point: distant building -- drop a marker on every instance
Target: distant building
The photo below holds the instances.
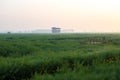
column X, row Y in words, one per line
column 56, row 30
column 41, row 31
column 9, row 32
column 67, row 31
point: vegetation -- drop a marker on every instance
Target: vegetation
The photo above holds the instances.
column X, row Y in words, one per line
column 59, row 56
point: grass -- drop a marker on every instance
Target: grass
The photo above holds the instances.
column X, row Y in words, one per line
column 86, row 73
column 59, row 56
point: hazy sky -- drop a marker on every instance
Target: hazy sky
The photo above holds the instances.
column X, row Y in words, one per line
column 80, row 15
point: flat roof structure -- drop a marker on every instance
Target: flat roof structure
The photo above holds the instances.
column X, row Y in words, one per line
column 56, row 30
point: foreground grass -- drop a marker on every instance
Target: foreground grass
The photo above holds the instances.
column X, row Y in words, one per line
column 97, row 72
column 26, row 67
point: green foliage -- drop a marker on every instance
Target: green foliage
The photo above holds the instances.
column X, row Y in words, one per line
column 59, row 56
column 101, row 72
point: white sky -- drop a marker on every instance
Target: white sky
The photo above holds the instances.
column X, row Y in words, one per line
column 80, row 15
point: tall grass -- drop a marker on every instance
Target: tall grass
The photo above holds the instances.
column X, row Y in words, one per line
column 56, row 57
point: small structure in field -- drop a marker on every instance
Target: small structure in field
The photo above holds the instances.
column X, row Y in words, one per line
column 94, row 42
column 56, row 30
column 97, row 41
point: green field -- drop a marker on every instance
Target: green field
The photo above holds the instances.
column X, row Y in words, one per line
column 60, row 56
